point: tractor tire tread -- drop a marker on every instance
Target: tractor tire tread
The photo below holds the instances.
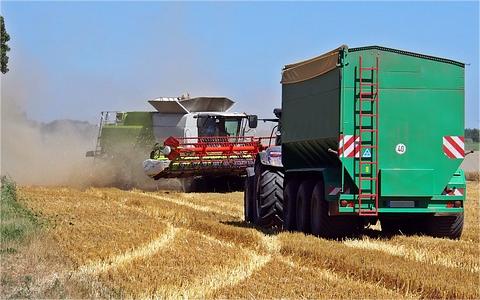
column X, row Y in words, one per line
column 446, row 226
column 270, row 198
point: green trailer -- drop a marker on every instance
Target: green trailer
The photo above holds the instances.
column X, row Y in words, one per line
column 370, row 134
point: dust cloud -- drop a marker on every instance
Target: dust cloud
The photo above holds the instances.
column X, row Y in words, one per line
column 53, row 153
column 34, row 153
column 37, row 153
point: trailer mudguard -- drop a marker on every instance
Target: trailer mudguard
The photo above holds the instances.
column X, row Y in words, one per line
column 333, row 184
column 271, row 157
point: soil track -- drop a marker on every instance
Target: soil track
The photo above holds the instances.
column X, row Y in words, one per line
column 168, row 244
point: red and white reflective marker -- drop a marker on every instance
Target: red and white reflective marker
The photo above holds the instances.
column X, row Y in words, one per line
column 453, row 146
column 333, row 190
column 349, row 146
column 453, row 192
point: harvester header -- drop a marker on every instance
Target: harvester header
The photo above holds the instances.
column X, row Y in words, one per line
column 196, row 156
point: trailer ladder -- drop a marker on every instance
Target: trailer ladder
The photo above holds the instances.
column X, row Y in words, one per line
column 368, row 139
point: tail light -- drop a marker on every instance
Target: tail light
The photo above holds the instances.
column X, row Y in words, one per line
column 345, row 203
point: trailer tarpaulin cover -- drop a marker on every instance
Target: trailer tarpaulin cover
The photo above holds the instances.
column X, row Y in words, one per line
column 311, row 68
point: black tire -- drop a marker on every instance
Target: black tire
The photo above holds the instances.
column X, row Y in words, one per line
column 403, row 224
column 290, row 204
column 326, row 226
column 194, row 185
column 268, row 208
column 449, row 226
column 304, row 197
column 248, row 196
column 187, row 185
column 391, row 226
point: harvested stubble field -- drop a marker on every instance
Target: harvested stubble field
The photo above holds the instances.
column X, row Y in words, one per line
column 134, row 244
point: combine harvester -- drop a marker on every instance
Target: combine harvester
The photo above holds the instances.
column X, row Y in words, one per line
column 200, row 142
column 368, row 134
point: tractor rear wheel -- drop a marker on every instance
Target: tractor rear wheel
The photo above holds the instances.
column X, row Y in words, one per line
column 326, row 226
column 303, row 200
column 290, row 204
column 445, row 226
column 269, row 199
column 248, row 196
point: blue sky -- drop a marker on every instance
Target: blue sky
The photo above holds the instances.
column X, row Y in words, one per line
column 75, row 59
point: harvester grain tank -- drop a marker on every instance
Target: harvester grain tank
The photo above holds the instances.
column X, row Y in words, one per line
column 369, row 134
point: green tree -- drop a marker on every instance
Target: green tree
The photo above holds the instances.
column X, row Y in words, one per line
column 472, row 133
column 4, row 39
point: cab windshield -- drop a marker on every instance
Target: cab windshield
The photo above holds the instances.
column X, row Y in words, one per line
column 218, row 126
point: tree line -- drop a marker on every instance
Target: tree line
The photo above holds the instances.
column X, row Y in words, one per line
column 473, row 134
column 4, row 38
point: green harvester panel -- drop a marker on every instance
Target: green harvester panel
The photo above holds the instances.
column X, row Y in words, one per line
column 420, row 105
column 134, row 130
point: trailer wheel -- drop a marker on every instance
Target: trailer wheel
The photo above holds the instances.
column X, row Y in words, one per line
column 450, row 226
column 326, row 226
column 391, row 226
column 304, row 197
column 269, row 200
column 248, row 196
column 406, row 225
column 290, row 204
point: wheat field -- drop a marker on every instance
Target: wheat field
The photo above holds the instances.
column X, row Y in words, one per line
column 106, row 242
